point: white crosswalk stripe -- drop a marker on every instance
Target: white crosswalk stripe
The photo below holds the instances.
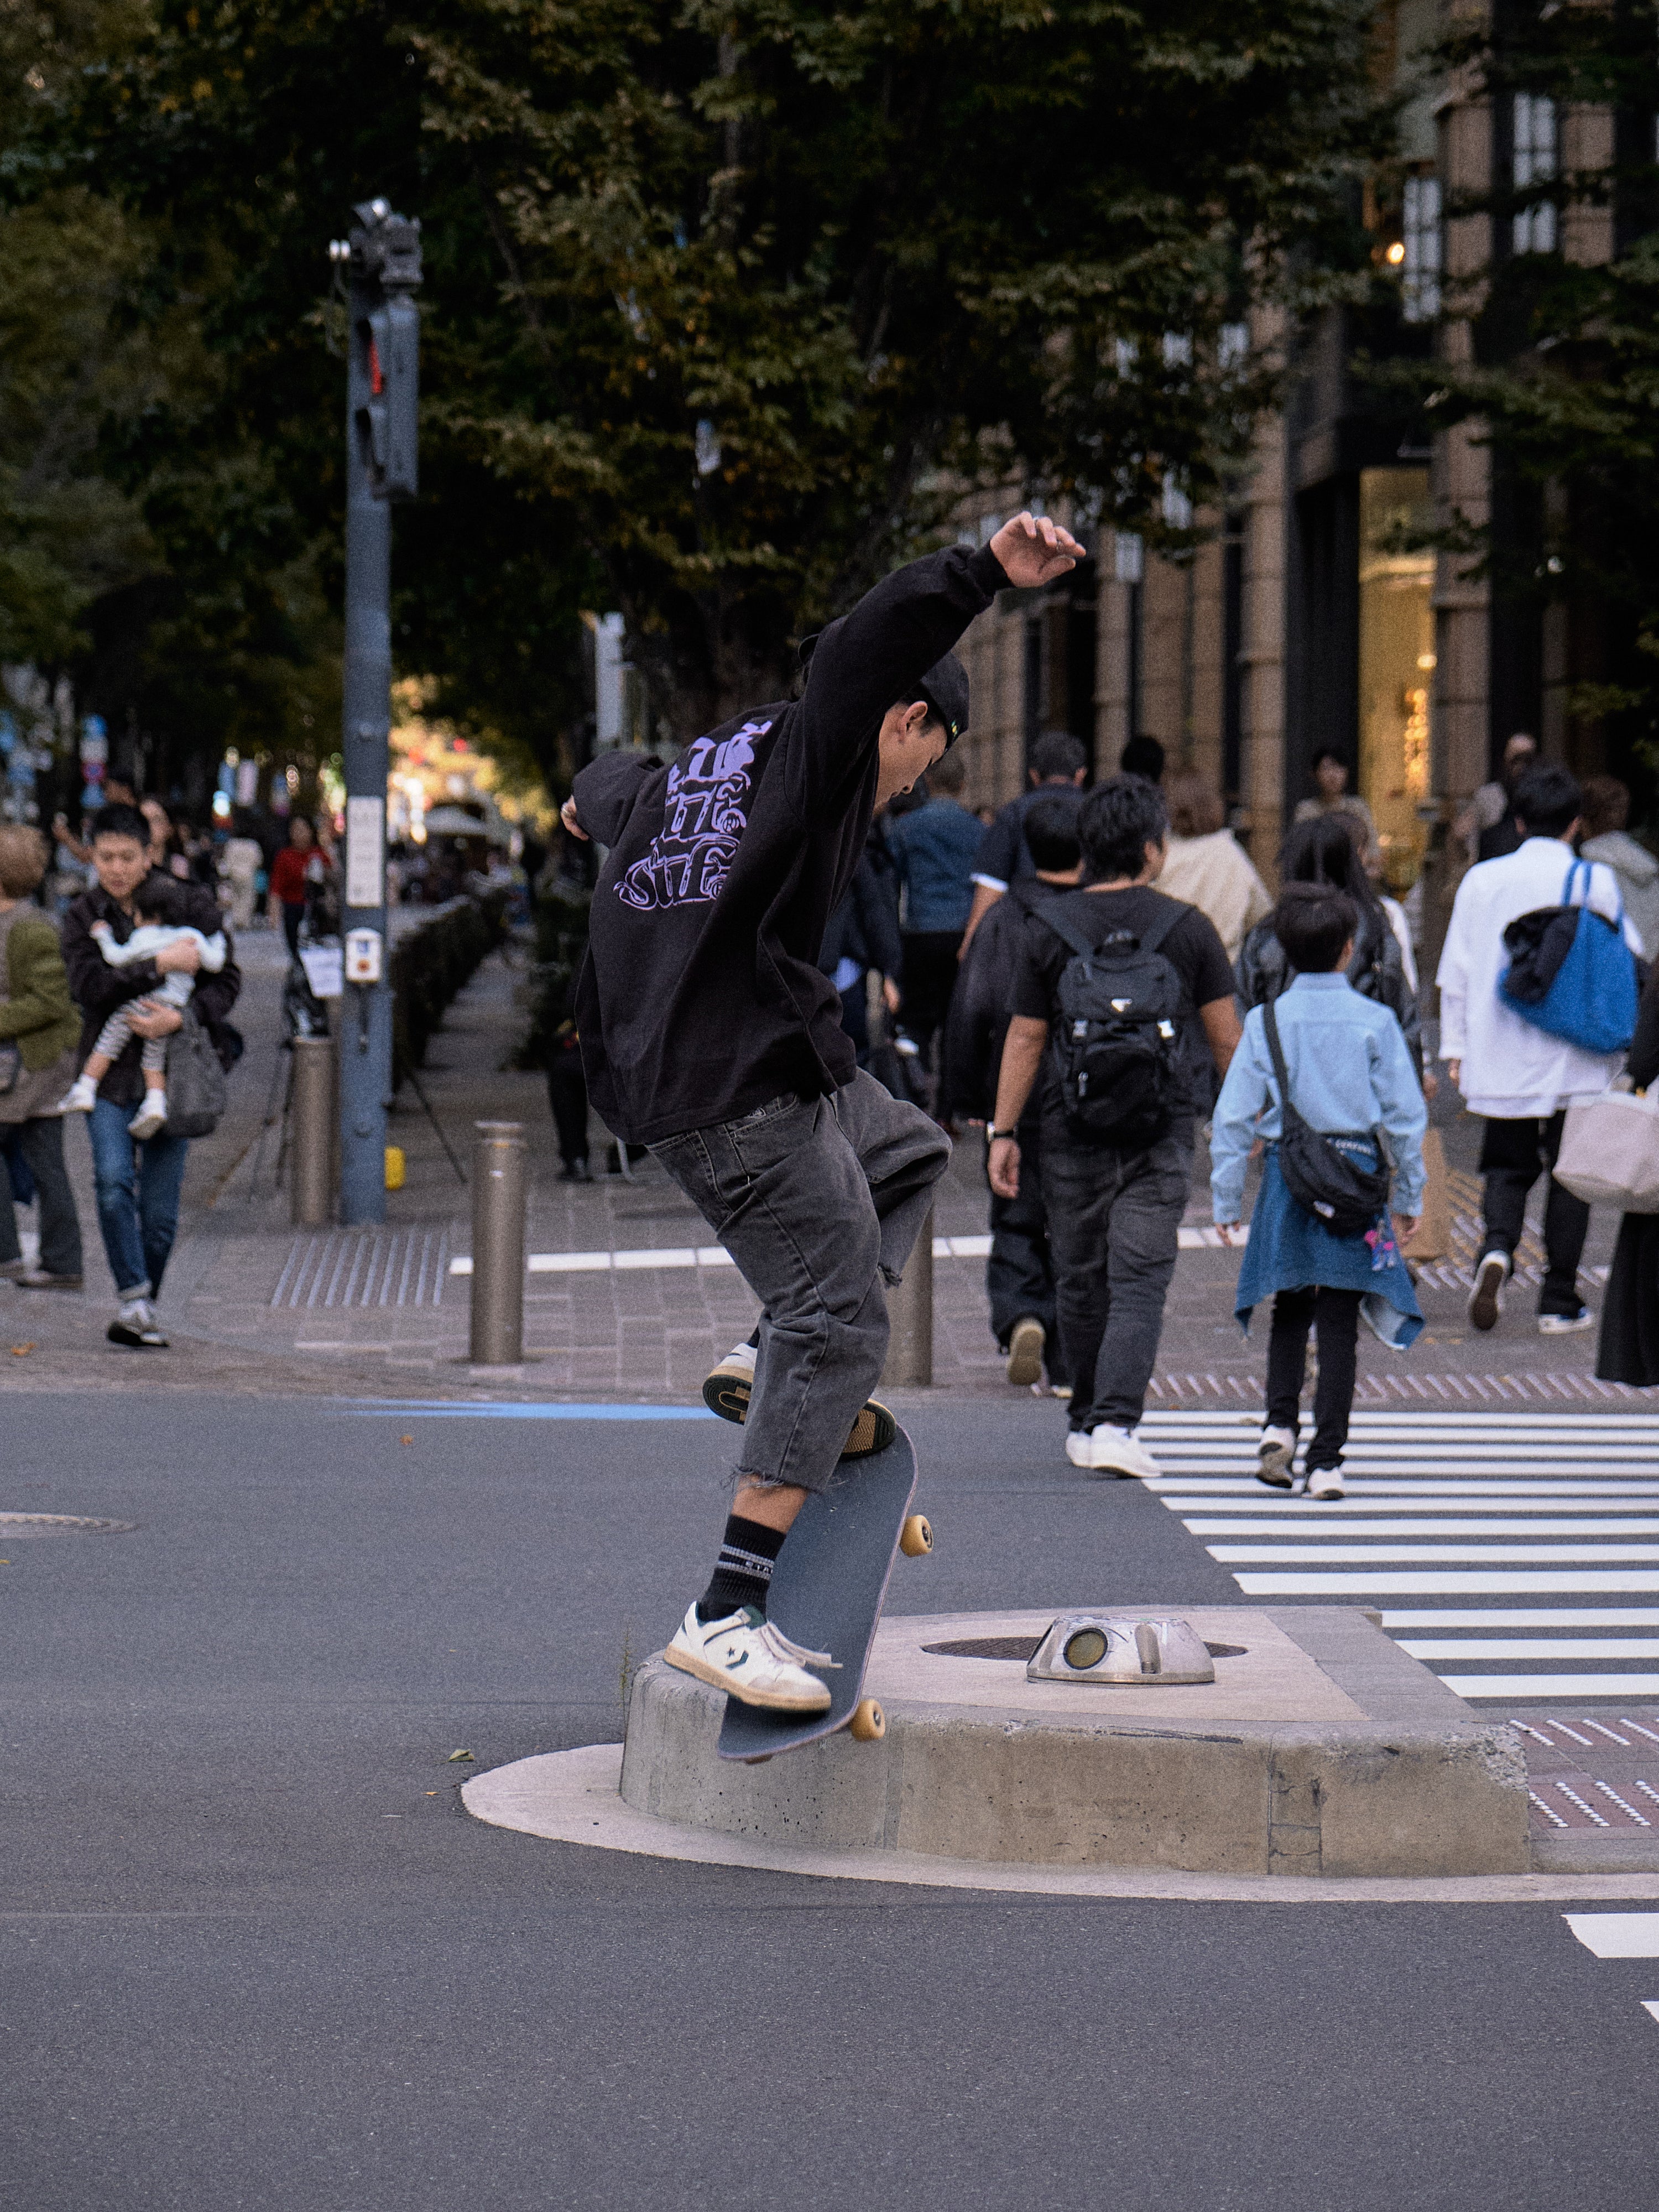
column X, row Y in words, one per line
column 1478, row 1509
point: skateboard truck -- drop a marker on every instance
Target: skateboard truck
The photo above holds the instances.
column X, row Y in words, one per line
column 1119, row 1649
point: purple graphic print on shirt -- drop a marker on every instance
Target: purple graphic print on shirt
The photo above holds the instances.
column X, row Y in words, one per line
column 703, row 817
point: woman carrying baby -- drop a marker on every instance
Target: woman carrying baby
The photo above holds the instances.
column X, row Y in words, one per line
column 137, row 1168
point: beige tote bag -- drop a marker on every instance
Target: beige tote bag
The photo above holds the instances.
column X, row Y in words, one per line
column 1610, row 1151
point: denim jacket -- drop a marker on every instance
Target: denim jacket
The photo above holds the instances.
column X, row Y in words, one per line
column 1349, row 1069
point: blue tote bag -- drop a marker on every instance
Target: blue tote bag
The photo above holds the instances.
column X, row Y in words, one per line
column 1571, row 972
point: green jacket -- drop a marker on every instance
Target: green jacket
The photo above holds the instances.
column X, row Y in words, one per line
column 36, row 1010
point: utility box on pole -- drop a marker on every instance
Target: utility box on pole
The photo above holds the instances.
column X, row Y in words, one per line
column 383, row 258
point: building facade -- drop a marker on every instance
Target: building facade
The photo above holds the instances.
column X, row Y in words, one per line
column 1304, row 622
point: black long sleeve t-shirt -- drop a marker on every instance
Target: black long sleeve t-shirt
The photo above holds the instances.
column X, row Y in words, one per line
column 700, row 997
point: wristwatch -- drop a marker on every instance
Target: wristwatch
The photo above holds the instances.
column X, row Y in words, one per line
column 996, row 1136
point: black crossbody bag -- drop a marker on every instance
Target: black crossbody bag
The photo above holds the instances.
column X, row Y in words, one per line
column 1318, row 1173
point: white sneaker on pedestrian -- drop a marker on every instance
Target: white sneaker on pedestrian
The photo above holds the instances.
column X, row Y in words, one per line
column 1325, row 1482
column 135, row 1324
column 1108, row 1450
column 151, row 1117
column 81, row 1096
column 1565, row 1324
column 1486, row 1297
column 1273, row 1455
column 1027, row 1341
column 745, row 1654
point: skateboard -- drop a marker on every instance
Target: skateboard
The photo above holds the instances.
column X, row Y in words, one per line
column 828, row 1593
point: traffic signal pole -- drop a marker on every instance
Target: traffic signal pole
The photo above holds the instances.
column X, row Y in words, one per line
column 384, row 256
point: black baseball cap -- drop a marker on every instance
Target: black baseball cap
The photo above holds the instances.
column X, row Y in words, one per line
column 945, row 686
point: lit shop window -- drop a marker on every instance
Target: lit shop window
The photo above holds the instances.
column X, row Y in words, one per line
column 1533, row 163
column 1419, row 249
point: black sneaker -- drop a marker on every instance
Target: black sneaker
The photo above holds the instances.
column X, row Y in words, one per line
column 136, row 1325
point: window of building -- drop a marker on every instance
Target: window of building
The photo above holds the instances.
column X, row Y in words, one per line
column 1419, row 237
column 1532, row 162
column 1396, row 667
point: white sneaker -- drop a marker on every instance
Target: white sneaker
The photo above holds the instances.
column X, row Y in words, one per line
column 81, row 1096
column 730, row 1386
column 151, row 1117
column 1486, row 1297
column 1273, row 1455
column 1565, row 1324
column 1325, row 1482
column 1027, row 1341
column 746, row 1654
column 1113, row 1451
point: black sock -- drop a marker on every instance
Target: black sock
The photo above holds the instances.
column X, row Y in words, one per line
column 742, row 1573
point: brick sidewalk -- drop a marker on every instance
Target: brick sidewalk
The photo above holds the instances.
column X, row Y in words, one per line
column 250, row 1298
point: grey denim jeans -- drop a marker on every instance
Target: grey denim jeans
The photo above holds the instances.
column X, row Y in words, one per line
column 1113, row 1218
column 819, row 1201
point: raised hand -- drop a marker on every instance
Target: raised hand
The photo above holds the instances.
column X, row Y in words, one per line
column 1033, row 550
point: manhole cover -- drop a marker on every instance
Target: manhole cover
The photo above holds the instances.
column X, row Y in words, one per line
column 13, row 1525
column 1022, row 1646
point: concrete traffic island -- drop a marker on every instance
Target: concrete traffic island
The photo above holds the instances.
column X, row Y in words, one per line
column 1321, row 1749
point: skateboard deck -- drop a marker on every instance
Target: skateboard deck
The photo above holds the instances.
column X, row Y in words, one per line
column 828, row 1593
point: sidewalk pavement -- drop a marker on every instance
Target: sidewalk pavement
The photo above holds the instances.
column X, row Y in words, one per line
column 626, row 1295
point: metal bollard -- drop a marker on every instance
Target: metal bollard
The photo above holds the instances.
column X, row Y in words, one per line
column 910, row 1315
column 499, row 1157
column 312, row 1136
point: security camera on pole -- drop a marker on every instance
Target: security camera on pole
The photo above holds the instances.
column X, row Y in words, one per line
column 383, row 257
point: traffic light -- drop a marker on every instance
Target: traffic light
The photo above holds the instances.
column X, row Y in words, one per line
column 384, row 256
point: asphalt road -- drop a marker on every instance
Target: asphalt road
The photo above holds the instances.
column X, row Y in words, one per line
column 255, row 1954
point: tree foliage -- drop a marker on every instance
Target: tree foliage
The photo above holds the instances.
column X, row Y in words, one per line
column 726, row 308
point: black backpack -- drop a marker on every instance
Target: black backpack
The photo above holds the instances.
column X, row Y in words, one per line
column 1117, row 1031
column 1319, row 1173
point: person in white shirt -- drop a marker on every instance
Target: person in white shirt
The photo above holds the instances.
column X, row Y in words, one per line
column 1521, row 1077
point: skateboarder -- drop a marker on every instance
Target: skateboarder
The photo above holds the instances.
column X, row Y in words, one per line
column 710, row 1034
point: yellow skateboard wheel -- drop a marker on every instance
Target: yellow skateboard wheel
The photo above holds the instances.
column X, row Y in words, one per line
column 916, row 1538
column 869, row 1722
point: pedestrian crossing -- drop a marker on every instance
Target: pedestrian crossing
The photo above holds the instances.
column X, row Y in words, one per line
column 1477, row 1510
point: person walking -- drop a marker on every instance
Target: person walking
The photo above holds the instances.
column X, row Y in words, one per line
column 1058, row 763
column 1207, row 866
column 1333, row 796
column 1322, row 851
column 1123, row 1003
column 1628, row 1351
column 710, row 1033
column 1019, row 1275
column 38, row 1030
column 288, row 886
column 137, row 1183
column 934, row 848
column 1347, row 1073
column 1605, row 838
column 1521, row 1077
column 1491, row 805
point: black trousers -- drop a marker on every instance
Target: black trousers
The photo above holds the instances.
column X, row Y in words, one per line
column 40, row 1144
column 1019, row 1274
column 292, row 917
column 930, row 976
column 1334, row 1315
column 1513, row 1155
column 566, row 1094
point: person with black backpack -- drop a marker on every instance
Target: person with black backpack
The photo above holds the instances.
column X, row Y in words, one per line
column 1019, row 1276
column 1324, row 1078
column 1123, row 1002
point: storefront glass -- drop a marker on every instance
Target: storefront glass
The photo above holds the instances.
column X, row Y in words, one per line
column 1396, row 667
